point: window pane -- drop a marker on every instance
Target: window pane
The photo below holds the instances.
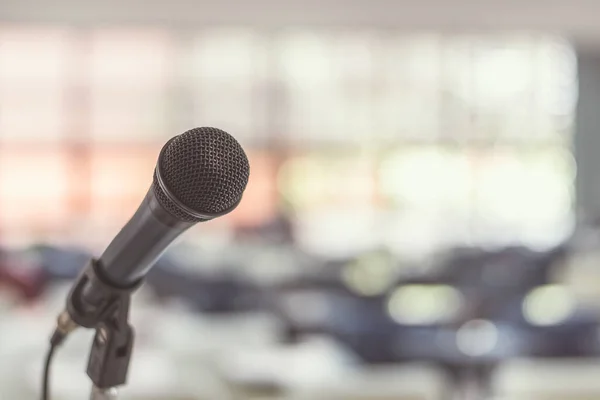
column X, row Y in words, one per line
column 556, row 91
column 329, row 86
column 503, row 86
column 408, row 95
column 427, row 177
column 121, row 175
column 34, row 187
column 457, row 91
column 33, row 81
column 129, row 78
column 325, row 181
column 228, row 70
column 524, row 194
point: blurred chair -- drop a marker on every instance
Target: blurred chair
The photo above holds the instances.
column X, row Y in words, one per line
column 59, row 263
column 573, row 379
column 22, row 278
column 511, row 269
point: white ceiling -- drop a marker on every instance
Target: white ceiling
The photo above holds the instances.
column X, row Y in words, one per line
column 578, row 19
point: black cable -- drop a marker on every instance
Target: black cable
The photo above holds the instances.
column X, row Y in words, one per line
column 46, row 379
column 56, row 340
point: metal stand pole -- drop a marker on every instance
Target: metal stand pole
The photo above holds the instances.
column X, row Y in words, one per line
column 103, row 394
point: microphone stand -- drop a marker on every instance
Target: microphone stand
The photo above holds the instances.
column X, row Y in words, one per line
column 103, row 394
column 111, row 351
column 112, row 347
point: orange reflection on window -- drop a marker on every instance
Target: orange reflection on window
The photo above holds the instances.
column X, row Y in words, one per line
column 33, row 187
column 121, row 175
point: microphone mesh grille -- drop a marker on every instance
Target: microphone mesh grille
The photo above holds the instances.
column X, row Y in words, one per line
column 205, row 169
column 170, row 206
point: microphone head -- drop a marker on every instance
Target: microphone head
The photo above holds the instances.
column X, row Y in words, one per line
column 201, row 174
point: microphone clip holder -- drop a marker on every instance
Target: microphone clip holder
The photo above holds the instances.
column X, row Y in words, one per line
column 112, row 346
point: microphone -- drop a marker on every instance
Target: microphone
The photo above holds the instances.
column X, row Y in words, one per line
column 200, row 175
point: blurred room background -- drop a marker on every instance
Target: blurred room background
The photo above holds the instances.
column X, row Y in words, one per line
column 420, row 222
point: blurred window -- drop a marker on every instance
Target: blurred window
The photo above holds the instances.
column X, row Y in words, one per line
column 329, row 86
column 228, row 82
column 450, row 138
column 33, row 191
column 129, row 82
column 465, row 138
column 34, row 68
column 120, row 177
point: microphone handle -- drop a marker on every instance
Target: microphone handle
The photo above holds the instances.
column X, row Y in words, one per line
column 136, row 247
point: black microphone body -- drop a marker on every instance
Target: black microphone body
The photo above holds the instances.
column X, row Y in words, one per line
column 140, row 242
column 200, row 175
column 135, row 249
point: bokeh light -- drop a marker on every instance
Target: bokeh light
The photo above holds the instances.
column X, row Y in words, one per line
column 424, row 304
column 548, row 305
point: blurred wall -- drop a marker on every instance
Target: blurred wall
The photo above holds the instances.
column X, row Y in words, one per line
column 587, row 140
column 572, row 18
